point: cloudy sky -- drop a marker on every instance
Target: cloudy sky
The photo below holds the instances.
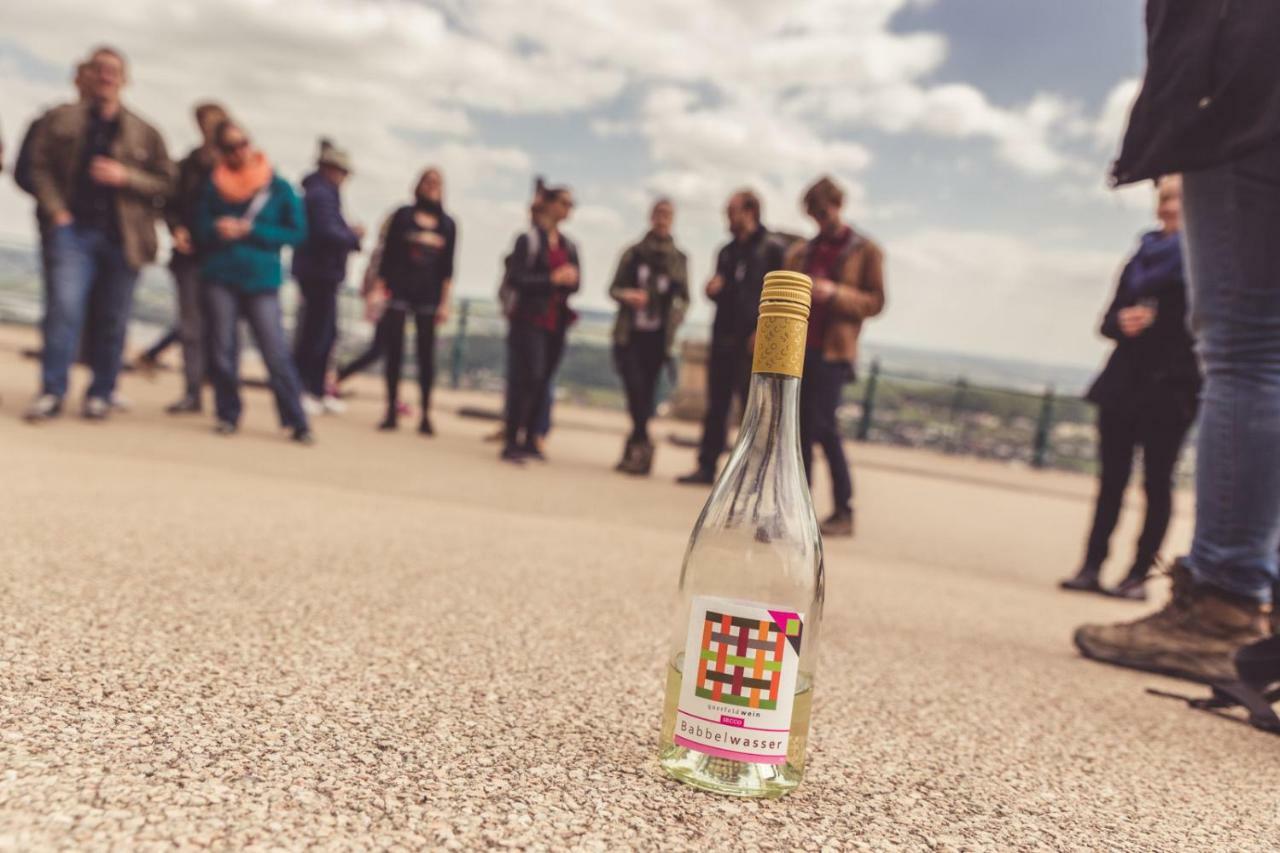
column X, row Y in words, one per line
column 973, row 136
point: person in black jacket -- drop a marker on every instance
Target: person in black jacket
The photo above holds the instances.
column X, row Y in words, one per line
column 1210, row 109
column 416, row 273
column 542, row 271
column 320, row 266
column 735, row 289
column 1146, row 395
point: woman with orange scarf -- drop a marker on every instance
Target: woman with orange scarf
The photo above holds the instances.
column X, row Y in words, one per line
column 246, row 215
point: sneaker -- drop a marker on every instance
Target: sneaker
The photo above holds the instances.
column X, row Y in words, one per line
column 1195, row 636
column 185, row 406
column 1085, row 580
column 303, row 436
column 425, row 427
column 331, row 405
column 534, row 452
column 839, row 523
column 512, row 454
column 43, row 408
column 96, row 409
column 700, row 477
column 312, row 406
column 225, row 428
column 120, row 403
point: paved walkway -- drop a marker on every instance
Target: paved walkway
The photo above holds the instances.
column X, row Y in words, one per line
column 391, row 641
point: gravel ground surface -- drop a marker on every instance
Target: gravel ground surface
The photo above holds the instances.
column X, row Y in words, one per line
column 393, row 642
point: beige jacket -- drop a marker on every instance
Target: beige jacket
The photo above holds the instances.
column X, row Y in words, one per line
column 859, row 295
column 55, row 160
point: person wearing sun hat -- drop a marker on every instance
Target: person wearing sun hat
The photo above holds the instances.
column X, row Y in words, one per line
column 320, row 267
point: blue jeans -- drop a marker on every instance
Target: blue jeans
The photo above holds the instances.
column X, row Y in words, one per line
column 85, row 265
column 1232, row 215
column 224, row 306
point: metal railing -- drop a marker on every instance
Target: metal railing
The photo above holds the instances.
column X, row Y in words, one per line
column 1037, row 428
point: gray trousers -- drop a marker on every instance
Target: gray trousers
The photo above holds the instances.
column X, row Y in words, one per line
column 190, row 326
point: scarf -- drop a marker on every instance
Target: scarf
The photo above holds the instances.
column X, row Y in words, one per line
column 237, row 186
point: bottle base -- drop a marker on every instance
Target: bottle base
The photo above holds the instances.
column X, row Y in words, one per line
column 728, row 777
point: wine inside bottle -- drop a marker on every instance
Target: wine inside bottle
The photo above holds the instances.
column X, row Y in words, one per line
column 744, row 646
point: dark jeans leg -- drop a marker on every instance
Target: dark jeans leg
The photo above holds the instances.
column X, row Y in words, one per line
column 221, row 314
column 552, row 351
column 820, row 393
column 377, row 350
column 526, row 356
column 71, row 272
column 393, row 322
column 1117, row 437
column 723, row 369
column 266, row 321
column 424, row 332
column 1161, row 439
column 190, row 326
column 1232, row 217
column 645, row 355
column 316, row 333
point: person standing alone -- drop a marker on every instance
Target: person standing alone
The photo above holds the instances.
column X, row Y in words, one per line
column 320, row 266
column 651, row 287
column 1146, row 396
column 735, row 289
column 416, row 274
column 101, row 177
column 848, row 288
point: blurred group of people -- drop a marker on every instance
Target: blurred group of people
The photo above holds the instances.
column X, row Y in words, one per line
column 103, row 180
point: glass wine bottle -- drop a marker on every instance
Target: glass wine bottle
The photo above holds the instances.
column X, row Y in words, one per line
column 740, row 671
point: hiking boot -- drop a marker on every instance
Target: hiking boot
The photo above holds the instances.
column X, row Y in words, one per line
column 1085, row 580
column 46, row 407
column 700, row 477
column 839, row 523
column 1195, row 636
column 96, row 409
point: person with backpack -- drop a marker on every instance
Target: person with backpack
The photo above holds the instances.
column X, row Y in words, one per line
column 416, row 273
column 542, row 272
column 848, row 288
column 652, row 291
column 246, row 215
column 734, row 287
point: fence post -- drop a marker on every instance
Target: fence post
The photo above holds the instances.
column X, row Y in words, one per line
column 459, row 345
column 869, row 401
column 1040, row 451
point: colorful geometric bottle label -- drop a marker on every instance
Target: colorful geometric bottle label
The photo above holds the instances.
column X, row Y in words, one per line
column 739, row 682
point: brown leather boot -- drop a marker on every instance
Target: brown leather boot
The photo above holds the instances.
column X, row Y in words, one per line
column 1194, row 637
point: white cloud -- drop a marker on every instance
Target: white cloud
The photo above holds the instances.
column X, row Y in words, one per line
column 1111, row 121
column 979, row 292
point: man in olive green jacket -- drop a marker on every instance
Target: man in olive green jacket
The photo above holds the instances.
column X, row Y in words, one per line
column 101, row 177
column 651, row 288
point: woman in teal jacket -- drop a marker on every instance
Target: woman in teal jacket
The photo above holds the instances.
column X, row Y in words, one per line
column 245, row 216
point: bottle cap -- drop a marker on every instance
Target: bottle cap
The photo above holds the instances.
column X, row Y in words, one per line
column 784, row 323
column 786, row 294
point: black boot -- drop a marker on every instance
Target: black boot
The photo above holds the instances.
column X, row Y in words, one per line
column 1085, row 580
column 391, row 421
column 628, row 448
column 1133, row 587
column 640, row 461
